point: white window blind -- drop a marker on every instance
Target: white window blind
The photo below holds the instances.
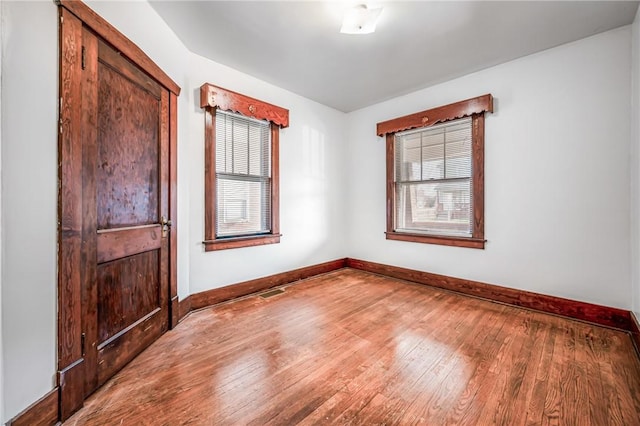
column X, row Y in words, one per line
column 433, row 180
column 243, row 175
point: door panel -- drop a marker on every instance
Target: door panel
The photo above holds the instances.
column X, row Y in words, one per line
column 127, row 290
column 125, row 195
column 128, row 146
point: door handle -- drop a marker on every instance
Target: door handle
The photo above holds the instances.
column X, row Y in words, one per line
column 166, row 226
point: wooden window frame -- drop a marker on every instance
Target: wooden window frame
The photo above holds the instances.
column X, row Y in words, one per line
column 474, row 108
column 213, row 98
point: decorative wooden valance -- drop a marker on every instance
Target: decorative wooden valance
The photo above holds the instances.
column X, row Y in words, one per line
column 227, row 100
column 437, row 115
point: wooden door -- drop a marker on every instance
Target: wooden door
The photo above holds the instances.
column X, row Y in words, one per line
column 125, row 184
column 117, row 287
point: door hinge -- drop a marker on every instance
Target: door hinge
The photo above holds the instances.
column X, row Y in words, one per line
column 82, row 340
column 84, row 64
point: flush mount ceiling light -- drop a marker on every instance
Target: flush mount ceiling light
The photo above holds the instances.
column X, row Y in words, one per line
column 360, row 20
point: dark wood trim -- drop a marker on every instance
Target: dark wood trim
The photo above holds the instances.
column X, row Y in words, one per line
column 70, row 213
column 184, row 307
column 173, row 210
column 445, row 113
column 597, row 314
column 69, row 378
column 635, row 332
column 71, row 381
column 477, row 152
column 209, row 175
column 115, row 245
column 475, row 243
column 391, row 186
column 429, row 117
column 43, row 412
column 211, row 243
column 222, row 294
column 239, row 242
column 119, row 41
column 275, row 182
column 227, row 100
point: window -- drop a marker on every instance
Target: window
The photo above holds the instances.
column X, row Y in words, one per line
column 435, row 174
column 241, row 169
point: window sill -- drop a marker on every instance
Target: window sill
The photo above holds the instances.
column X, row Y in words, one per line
column 477, row 243
column 239, row 242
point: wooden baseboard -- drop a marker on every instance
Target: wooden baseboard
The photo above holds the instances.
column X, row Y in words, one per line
column 602, row 315
column 184, row 307
column 218, row 295
column 635, row 332
column 43, row 412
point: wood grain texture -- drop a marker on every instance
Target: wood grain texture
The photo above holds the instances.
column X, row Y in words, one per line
column 43, row 412
column 128, row 288
column 184, row 308
column 239, row 242
column 434, row 239
column 88, row 270
column 227, row 100
column 597, row 314
column 71, row 381
column 122, row 43
column 437, row 115
column 127, row 178
column 635, row 332
column 477, row 124
column 275, row 181
column 173, row 209
column 217, row 295
column 70, row 210
column 82, row 53
column 350, row 347
column 209, row 175
column 114, row 245
column 119, row 350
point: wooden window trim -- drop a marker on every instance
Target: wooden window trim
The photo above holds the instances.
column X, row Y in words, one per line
column 213, row 98
column 475, row 108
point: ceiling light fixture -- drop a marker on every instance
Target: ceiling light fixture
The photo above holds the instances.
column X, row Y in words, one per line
column 360, row 20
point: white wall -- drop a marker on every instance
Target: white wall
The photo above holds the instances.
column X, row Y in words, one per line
column 29, row 201
column 1, row 350
column 557, row 175
column 635, row 164
column 311, row 179
column 311, row 161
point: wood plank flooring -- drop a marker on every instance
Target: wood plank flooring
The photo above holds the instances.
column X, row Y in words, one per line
column 353, row 348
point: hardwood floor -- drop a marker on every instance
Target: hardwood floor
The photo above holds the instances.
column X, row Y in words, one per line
column 355, row 348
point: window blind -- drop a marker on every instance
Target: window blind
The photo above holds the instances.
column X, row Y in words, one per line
column 433, row 180
column 243, row 175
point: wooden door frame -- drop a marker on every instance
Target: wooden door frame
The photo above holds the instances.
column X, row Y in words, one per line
column 74, row 15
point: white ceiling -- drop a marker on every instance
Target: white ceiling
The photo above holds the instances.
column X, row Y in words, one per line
column 298, row 46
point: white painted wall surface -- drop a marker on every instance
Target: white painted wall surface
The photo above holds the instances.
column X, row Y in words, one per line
column 557, row 175
column 635, row 165
column 29, row 201
column 311, row 180
column 1, row 350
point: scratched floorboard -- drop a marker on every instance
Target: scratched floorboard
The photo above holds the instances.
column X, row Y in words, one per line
column 350, row 348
